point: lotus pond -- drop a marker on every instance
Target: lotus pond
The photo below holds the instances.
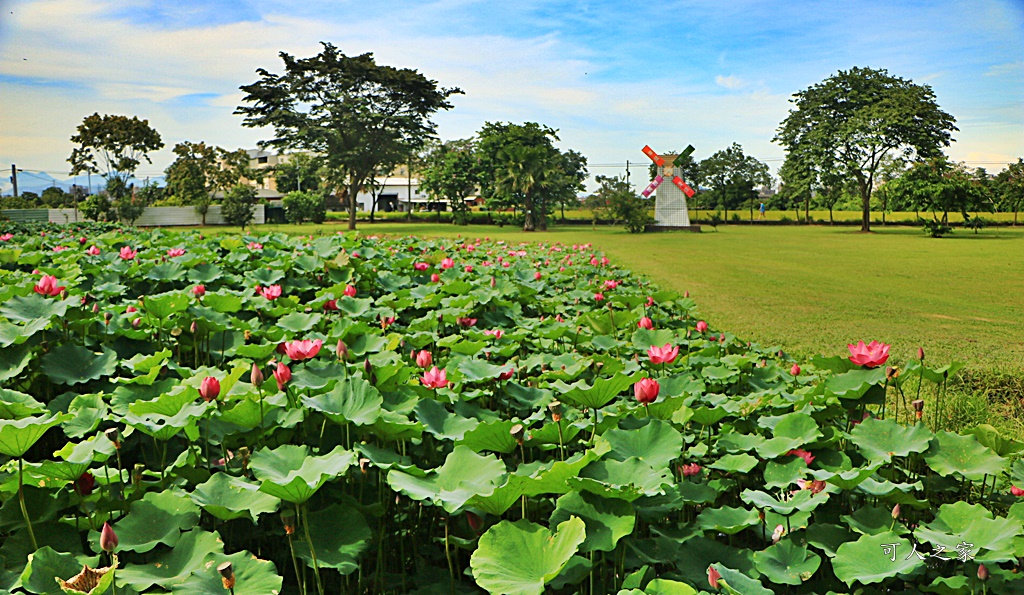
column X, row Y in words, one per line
column 351, row 414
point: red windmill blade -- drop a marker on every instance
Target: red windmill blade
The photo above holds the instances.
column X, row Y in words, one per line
column 683, row 186
column 654, row 157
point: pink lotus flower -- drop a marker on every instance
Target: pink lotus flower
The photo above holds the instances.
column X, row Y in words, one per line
column 386, row 321
column 537, row 276
column 131, row 310
column 496, row 333
column 435, row 278
column 663, row 355
column 282, row 374
column 713, row 577
column 82, row 241
column 610, row 284
column 350, row 291
column 795, row 370
column 646, row 391
column 604, row 261
column 646, row 323
column 466, row 321
column 59, row 248
column 507, row 374
column 469, row 268
column 175, row 252
column 1017, row 491
column 341, row 350
column 803, row 454
column 127, row 253
column 777, row 534
column 424, row 359
column 254, row 246
column 421, row 266
column 108, row 539
column 331, row 305
column 871, row 355
column 598, row 297
column 137, row 323
column 702, row 326
column 594, row 261
column 434, row 378
column 689, row 470
column 300, row 350
column 650, row 301
column 447, row 263
column 271, row 293
column 209, row 389
column 815, row 485
column 48, row 286
column 7, row 237
column 199, row 291
column 93, row 251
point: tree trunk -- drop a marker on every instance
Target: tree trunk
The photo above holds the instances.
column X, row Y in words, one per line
column 528, row 223
column 865, row 198
column 831, row 221
column 352, row 191
column 1015, row 216
column 807, row 210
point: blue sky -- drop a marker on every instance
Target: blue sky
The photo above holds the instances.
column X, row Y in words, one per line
column 611, row 76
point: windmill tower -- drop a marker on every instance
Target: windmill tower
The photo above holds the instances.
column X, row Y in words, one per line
column 670, row 209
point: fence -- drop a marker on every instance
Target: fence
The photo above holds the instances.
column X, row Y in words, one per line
column 151, row 217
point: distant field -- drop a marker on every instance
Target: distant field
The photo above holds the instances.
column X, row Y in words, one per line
column 814, row 289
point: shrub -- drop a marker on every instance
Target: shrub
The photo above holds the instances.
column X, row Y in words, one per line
column 304, row 206
column 715, row 219
column 936, row 228
column 238, row 205
column 98, row 208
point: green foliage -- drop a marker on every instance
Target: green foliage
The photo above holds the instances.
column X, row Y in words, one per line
column 853, row 121
column 237, row 208
column 304, row 206
column 113, row 146
column 453, row 173
column 356, row 113
column 616, row 200
column 299, row 172
column 732, row 178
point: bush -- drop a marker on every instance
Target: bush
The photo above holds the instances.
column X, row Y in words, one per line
column 936, row 228
column 976, row 223
column 715, row 220
column 238, row 205
column 98, row 208
column 304, row 206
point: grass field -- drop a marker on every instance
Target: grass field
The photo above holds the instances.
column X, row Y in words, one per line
column 814, row 289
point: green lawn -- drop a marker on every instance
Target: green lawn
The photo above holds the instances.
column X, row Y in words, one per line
column 814, row 289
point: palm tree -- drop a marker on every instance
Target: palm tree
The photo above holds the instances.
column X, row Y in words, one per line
column 521, row 174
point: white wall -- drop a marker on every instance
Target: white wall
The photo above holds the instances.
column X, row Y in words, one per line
column 162, row 216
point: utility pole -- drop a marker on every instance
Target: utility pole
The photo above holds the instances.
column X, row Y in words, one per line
column 14, row 179
column 627, row 171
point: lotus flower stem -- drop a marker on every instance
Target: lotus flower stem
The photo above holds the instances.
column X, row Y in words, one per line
column 448, row 556
column 295, row 564
column 21, row 501
column 304, row 518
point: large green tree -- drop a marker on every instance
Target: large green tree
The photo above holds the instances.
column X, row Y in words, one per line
column 732, row 176
column 200, row 170
column 1010, row 188
column 299, row 172
column 523, row 169
column 113, row 146
column 855, row 119
column 354, row 112
column 942, row 187
column 452, row 173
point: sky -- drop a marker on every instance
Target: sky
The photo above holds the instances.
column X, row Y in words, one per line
column 610, row 76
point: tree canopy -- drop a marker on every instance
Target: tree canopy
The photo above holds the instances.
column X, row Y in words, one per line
column 355, row 113
column 200, row 170
column 732, row 176
column 113, row 146
column 452, row 173
column 855, row 119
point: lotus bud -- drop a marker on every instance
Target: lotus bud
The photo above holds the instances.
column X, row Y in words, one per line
column 475, row 522
column 555, row 408
column 713, row 577
column 192, row 327
column 982, row 571
column 95, row 308
column 795, row 370
column 256, row 376
column 518, row 431
column 368, row 366
column 136, row 323
column 114, row 436
column 920, row 356
column 686, row 294
column 227, row 575
column 896, row 511
column 342, row 350
column 288, row 519
column 778, row 533
column 108, row 539
column 209, row 389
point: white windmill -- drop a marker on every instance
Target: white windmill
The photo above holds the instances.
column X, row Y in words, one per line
column 670, row 200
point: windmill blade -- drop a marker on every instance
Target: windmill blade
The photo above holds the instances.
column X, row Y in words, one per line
column 652, row 186
column 654, row 156
column 683, row 186
column 686, row 153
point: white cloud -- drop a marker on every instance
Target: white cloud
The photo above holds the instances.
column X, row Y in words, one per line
column 730, row 82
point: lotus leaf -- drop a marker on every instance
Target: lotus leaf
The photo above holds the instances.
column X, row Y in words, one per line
column 164, row 305
column 174, row 566
column 882, row 439
column 626, row 480
column 252, row 576
column 803, row 500
column 339, row 535
column 44, row 567
column 607, row 520
column 30, row 308
column 289, row 472
column 875, row 558
column 656, row 443
column 787, row 563
column 352, row 400
column 519, row 558
column 16, row 405
column 463, row 475
column 740, row 583
column 727, row 519
column 741, row 463
column 963, row 455
column 17, row 436
column 493, row 436
column 73, row 364
column 228, row 498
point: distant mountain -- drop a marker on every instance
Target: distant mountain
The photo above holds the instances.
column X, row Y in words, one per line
column 37, row 181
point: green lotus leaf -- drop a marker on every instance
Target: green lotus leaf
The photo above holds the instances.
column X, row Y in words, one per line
column 870, row 559
column 990, row 437
column 164, row 417
column 224, row 303
column 798, row 426
column 989, row 539
column 593, row 397
column 17, row 436
column 657, row 443
column 787, row 563
column 661, row 586
column 246, row 412
column 73, row 364
column 352, row 400
column 159, row 517
column 803, row 500
column 299, row 322
column 741, row 463
column 740, row 583
column 872, row 520
column 846, row 480
column 289, row 472
column 44, row 567
column 30, row 308
column 735, row 442
column 15, row 334
column 963, row 455
column 255, row 352
column 780, row 475
column 339, row 534
column 727, row 519
column 626, row 480
column 882, row 439
column 365, row 344
column 719, row 374
column 266, row 276
column 468, row 348
column 13, row 360
column 205, row 273
column 644, row 339
column 174, row 566
column 707, row 416
column 252, row 576
column 88, row 412
column 607, row 520
column 166, row 272
column 493, row 436
column 519, row 558
column 142, row 363
column 828, row 537
column 77, row 458
column 9, row 255
column 854, row 384
column 162, row 306
column 228, row 498
column 478, row 370
column 442, row 423
column 463, row 475
column 395, row 426
column 16, row 405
